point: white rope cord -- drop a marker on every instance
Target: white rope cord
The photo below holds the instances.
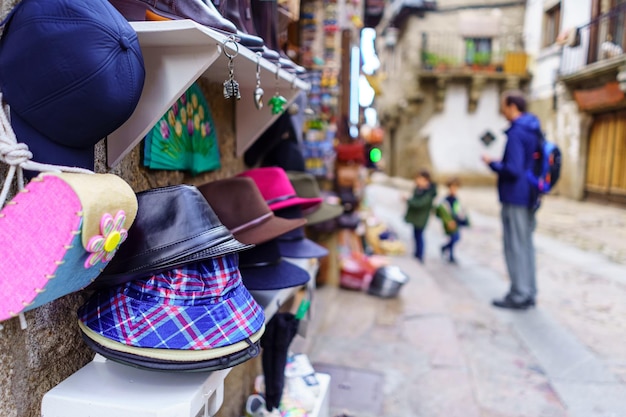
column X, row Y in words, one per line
column 18, row 157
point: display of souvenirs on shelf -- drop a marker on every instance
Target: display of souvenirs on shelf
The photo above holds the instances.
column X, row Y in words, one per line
column 318, row 149
column 184, row 138
column 308, row 28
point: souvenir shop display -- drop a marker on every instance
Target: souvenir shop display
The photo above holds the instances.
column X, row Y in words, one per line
column 321, row 54
column 169, row 273
column 184, row 138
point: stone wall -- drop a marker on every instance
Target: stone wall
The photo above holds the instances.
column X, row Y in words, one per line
column 50, row 349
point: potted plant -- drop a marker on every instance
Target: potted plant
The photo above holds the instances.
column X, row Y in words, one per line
column 482, row 59
column 429, row 60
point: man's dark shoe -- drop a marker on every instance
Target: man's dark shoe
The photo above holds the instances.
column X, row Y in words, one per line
column 510, row 304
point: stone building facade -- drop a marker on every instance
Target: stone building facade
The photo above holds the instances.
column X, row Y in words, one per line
column 577, row 90
column 444, row 72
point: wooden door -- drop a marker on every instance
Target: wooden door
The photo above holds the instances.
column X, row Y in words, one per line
column 618, row 176
column 599, row 159
column 606, row 158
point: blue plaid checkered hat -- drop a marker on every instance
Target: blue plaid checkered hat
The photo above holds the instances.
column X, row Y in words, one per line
column 198, row 306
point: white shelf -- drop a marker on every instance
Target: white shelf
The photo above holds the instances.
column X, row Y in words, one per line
column 104, row 388
column 322, row 405
column 272, row 300
column 176, row 53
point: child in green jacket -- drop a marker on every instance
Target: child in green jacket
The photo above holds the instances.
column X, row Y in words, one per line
column 418, row 210
column 452, row 217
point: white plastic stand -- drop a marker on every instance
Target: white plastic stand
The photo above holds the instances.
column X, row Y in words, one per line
column 104, row 388
column 322, row 405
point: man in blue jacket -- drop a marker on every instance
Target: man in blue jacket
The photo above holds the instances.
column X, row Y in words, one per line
column 518, row 213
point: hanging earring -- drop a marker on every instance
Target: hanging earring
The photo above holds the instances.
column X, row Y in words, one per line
column 294, row 108
column 231, row 87
column 258, row 91
column 277, row 102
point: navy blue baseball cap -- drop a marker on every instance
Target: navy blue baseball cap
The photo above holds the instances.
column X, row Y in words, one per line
column 72, row 72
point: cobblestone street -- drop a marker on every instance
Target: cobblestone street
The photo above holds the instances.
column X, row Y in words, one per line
column 445, row 352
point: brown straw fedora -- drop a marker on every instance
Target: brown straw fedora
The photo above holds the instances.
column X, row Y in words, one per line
column 240, row 207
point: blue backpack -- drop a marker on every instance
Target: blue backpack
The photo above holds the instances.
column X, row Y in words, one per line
column 546, row 169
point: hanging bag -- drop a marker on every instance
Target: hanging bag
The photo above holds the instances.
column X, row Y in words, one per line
column 59, row 231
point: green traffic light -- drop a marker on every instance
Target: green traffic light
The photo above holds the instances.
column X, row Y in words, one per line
column 375, row 155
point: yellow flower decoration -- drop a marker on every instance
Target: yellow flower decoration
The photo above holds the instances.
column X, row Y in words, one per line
column 194, row 101
column 183, row 115
column 196, row 122
column 104, row 245
column 171, row 118
column 201, row 113
column 178, row 128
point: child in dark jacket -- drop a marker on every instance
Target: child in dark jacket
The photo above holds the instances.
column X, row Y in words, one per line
column 419, row 207
column 452, row 217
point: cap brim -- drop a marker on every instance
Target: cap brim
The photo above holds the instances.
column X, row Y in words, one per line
column 224, row 248
column 274, row 277
column 150, row 323
column 269, row 230
column 301, row 248
column 324, row 213
column 48, row 152
column 304, row 203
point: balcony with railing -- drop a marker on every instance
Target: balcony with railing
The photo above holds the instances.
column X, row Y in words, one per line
column 455, row 54
column 596, row 46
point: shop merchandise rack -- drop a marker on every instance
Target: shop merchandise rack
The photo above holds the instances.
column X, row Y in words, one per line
column 320, row 51
column 176, row 53
column 104, row 388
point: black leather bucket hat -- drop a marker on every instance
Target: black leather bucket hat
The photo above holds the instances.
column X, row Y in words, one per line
column 174, row 226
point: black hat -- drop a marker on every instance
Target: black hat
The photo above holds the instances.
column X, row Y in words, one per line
column 174, row 226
